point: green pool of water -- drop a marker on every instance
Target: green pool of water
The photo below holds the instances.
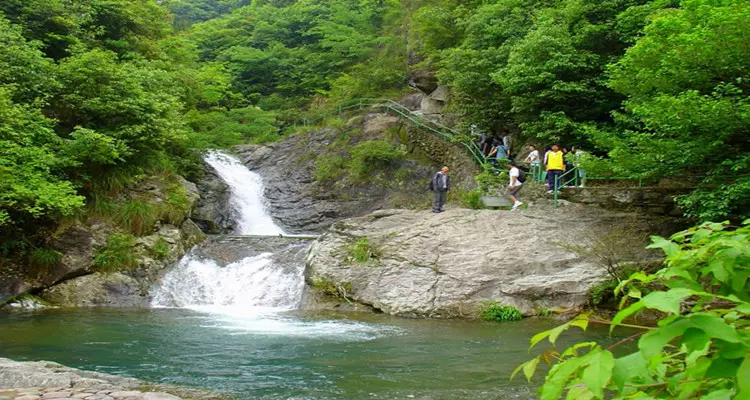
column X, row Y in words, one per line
column 287, row 355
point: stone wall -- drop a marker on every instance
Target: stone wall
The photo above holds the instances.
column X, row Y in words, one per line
column 651, row 200
column 441, row 152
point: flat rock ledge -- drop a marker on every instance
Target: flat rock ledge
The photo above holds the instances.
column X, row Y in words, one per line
column 449, row 265
column 48, row 380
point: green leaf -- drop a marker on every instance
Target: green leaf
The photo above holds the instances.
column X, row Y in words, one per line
column 670, row 248
column 699, row 235
column 695, row 339
column 667, row 301
column 715, row 327
column 723, row 394
column 653, row 342
column 528, row 368
column 631, row 368
column 581, row 321
column 743, row 377
column 558, row 376
column 620, row 316
column 579, row 392
column 723, row 368
column 597, row 375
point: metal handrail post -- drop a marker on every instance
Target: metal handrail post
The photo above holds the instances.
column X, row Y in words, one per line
column 556, row 188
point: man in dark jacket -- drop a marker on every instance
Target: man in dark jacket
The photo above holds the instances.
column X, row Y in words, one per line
column 441, row 184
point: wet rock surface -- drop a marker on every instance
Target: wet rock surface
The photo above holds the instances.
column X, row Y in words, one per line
column 212, row 213
column 445, row 265
column 225, row 250
column 47, row 380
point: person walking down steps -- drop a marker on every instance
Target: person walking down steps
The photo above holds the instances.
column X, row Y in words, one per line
column 517, row 178
column 440, row 185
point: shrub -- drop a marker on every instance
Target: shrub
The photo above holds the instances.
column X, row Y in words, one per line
column 371, row 155
column 698, row 350
column 496, row 312
column 329, row 168
column 473, row 199
column 118, row 255
column 490, row 180
column 41, row 260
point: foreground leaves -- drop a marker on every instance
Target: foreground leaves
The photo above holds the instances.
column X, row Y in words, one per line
column 700, row 349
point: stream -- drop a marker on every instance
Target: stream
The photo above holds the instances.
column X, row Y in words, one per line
column 230, row 323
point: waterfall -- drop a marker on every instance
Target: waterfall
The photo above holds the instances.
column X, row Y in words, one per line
column 246, row 189
column 246, row 289
column 253, row 283
column 260, row 282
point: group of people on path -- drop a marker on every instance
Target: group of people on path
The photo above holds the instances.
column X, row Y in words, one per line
column 555, row 163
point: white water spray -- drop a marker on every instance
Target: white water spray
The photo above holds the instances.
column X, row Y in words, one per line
column 247, row 296
column 247, row 195
column 254, row 283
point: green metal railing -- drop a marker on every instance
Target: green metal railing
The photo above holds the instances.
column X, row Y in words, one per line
column 537, row 171
column 560, row 182
column 392, row 107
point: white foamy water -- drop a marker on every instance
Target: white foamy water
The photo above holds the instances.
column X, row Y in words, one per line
column 246, row 195
column 250, row 296
column 252, row 285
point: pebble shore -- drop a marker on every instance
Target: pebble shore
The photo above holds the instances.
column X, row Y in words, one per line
column 41, row 380
column 82, row 393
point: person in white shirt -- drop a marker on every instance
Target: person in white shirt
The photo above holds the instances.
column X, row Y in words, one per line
column 533, row 157
column 517, row 177
column 577, row 155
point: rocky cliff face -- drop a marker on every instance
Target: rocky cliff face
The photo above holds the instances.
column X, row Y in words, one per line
column 212, row 213
column 75, row 280
column 444, row 265
column 302, row 204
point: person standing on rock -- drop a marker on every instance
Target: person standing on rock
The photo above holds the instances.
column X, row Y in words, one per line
column 517, row 177
column 440, row 185
column 554, row 164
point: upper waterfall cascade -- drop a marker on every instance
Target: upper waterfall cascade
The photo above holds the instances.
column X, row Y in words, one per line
column 246, row 195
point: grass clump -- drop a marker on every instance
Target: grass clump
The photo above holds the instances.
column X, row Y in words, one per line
column 177, row 205
column 41, row 260
column 137, row 216
column 329, row 168
column 362, row 251
column 118, row 255
column 161, row 249
column 340, row 291
column 496, row 312
column 372, row 155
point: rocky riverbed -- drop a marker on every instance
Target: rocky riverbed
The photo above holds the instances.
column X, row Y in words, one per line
column 49, row 380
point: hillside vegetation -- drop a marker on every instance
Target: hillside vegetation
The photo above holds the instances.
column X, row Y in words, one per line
column 655, row 89
column 97, row 95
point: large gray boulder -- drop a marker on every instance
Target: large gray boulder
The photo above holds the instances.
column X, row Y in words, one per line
column 128, row 288
column 423, row 79
column 445, row 265
column 212, row 213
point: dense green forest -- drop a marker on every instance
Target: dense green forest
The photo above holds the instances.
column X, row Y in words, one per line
column 95, row 94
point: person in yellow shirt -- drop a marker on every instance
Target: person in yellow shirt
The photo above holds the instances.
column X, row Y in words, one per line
column 554, row 164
